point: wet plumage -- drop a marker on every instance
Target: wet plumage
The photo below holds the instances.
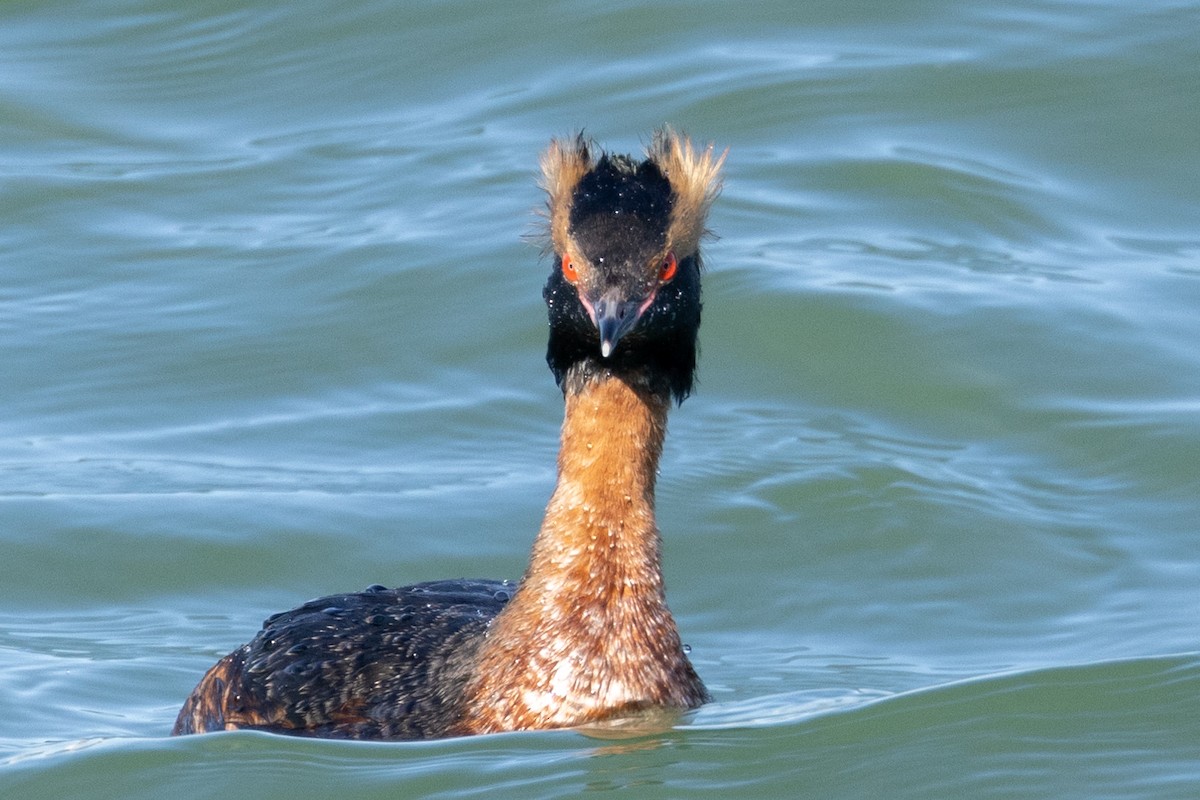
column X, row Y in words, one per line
column 586, row 635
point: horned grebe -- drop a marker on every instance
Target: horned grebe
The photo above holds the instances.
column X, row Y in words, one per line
column 586, row 636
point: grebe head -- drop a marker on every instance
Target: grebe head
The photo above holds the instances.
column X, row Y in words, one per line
column 624, row 293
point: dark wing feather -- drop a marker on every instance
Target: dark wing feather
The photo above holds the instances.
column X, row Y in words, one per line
column 384, row 663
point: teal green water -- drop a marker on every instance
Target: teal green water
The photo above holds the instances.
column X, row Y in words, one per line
column 269, row 330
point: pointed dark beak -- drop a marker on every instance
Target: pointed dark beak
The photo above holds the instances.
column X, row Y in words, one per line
column 615, row 317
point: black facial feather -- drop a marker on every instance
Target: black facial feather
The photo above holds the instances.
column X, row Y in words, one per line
column 661, row 350
column 620, row 212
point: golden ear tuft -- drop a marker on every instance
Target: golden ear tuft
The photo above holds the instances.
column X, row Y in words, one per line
column 563, row 165
column 695, row 177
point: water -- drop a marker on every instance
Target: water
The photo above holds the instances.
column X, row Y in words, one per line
column 269, row 330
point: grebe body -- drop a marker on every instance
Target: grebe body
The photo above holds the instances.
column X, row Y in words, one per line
column 586, row 635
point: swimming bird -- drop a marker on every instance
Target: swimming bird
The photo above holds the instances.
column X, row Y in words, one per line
column 586, row 635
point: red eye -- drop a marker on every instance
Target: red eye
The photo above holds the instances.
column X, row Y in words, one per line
column 568, row 269
column 669, row 265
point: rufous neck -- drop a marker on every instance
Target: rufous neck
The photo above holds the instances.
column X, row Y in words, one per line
column 603, row 503
column 588, row 633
